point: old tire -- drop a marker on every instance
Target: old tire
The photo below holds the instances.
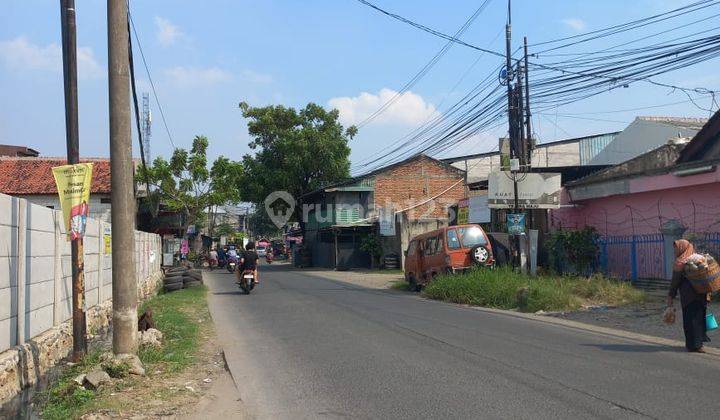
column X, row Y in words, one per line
column 173, row 287
column 191, row 283
column 196, row 276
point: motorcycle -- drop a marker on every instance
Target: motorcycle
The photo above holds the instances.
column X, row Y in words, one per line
column 231, row 264
column 247, row 281
column 269, row 257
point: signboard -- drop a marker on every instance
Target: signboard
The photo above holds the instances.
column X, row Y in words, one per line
column 535, row 190
column 386, row 219
column 479, row 210
column 73, row 185
column 516, row 223
column 107, row 240
column 463, row 211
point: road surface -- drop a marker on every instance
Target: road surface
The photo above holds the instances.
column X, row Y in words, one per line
column 307, row 347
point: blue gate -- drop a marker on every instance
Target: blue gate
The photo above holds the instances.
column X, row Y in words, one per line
column 632, row 257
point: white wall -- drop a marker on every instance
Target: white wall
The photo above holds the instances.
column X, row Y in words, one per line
column 98, row 209
column 44, row 298
column 563, row 154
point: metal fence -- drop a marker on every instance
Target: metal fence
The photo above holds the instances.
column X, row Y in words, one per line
column 632, row 257
column 707, row 243
column 636, row 257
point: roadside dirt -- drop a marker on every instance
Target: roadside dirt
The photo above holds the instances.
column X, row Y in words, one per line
column 644, row 318
column 365, row 278
column 161, row 395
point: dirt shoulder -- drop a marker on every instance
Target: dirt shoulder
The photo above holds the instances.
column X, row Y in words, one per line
column 372, row 279
column 182, row 378
column 643, row 318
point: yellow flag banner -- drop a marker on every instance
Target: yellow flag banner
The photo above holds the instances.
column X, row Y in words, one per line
column 73, row 185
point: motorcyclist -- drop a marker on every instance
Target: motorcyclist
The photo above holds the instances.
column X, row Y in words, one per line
column 249, row 261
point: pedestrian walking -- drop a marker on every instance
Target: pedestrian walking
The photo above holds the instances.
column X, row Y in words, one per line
column 694, row 304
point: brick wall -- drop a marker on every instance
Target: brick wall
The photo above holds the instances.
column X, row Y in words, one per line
column 416, row 181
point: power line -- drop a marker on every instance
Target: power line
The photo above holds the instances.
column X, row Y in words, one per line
column 426, row 68
column 428, row 30
column 152, row 84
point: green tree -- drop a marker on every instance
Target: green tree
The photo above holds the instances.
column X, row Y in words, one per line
column 296, row 151
column 184, row 183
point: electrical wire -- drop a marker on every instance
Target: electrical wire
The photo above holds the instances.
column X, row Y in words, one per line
column 152, row 84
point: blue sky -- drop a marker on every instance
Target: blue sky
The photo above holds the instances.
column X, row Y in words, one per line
column 205, row 57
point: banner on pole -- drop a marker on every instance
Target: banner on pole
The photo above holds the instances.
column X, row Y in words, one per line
column 73, row 185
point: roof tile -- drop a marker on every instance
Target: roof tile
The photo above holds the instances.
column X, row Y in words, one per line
column 34, row 175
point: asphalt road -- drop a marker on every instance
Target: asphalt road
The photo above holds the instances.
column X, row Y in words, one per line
column 306, row 347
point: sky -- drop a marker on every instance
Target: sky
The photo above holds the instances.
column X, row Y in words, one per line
column 206, row 57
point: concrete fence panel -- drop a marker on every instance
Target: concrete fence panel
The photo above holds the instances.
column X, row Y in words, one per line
column 35, row 255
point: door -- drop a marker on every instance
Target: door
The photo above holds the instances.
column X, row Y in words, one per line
column 411, row 259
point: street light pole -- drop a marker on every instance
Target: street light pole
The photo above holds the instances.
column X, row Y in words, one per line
column 124, row 283
column 69, row 52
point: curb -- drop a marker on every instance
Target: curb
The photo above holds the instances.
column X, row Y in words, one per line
column 612, row 332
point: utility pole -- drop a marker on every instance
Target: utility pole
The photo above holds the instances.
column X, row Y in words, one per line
column 511, row 107
column 69, row 49
column 124, row 283
column 528, row 134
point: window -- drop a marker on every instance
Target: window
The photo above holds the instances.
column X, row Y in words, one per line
column 105, row 201
column 452, row 239
column 430, row 246
column 411, row 248
column 440, row 248
column 472, row 236
column 51, row 207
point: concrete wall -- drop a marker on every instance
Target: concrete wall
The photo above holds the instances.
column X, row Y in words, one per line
column 98, row 209
column 641, row 136
column 563, row 154
column 35, row 269
column 641, row 205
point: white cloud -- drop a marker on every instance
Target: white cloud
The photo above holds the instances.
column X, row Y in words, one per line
column 255, row 77
column 576, row 24
column 167, row 33
column 194, row 76
column 20, row 54
column 408, row 109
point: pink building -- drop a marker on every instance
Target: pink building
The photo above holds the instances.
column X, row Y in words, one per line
column 640, row 206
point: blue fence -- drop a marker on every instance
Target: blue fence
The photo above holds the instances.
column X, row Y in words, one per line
column 643, row 256
column 632, row 257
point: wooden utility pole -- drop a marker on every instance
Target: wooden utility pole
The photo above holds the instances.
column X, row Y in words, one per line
column 124, row 283
column 69, row 49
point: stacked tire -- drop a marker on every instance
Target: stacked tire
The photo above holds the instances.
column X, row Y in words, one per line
column 178, row 278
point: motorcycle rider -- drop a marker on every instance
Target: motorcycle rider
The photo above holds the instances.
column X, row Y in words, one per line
column 249, row 261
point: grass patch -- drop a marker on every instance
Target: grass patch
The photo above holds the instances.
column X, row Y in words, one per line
column 179, row 315
column 506, row 289
column 64, row 400
column 400, row 285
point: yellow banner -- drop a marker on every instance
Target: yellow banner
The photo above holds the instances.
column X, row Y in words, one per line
column 73, row 185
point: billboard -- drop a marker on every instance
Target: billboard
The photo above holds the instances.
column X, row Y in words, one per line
column 535, row 190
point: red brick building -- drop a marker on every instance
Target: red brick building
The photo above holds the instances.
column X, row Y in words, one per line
column 394, row 202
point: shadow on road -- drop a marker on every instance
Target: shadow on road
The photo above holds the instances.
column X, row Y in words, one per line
column 236, row 292
column 633, row 348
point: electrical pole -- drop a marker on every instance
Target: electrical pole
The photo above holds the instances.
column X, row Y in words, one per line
column 124, row 283
column 69, row 49
column 528, row 134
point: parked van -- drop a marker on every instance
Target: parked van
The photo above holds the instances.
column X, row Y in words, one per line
column 447, row 250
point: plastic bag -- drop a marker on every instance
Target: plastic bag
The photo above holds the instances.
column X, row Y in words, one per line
column 669, row 315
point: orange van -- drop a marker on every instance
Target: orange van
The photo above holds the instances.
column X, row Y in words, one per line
column 447, row 250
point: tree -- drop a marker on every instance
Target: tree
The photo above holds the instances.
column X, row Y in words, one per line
column 295, row 151
column 186, row 184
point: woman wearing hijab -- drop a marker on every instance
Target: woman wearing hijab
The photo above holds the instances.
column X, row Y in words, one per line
column 694, row 304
